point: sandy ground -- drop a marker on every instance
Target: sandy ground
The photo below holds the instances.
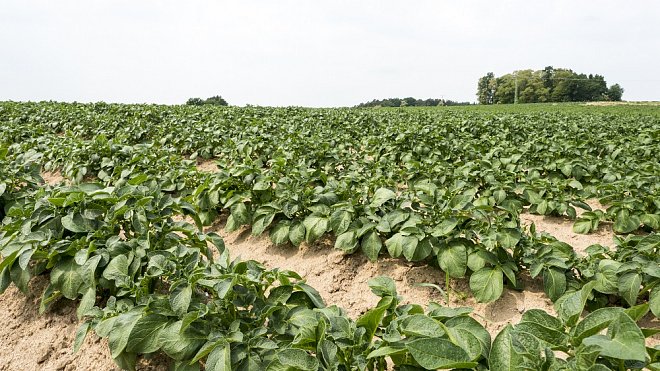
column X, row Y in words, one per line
column 562, row 229
column 207, row 166
column 52, row 178
column 29, row 341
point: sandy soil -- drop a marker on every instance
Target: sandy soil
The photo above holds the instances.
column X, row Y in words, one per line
column 52, row 178
column 30, row 341
column 207, row 166
column 562, row 229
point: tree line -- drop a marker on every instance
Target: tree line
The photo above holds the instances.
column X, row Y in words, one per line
column 214, row 101
column 411, row 102
column 546, row 85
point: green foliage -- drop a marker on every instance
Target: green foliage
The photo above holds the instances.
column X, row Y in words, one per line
column 440, row 186
column 215, row 100
column 411, row 102
column 547, row 85
column 615, row 92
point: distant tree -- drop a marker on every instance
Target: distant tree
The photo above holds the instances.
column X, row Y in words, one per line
column 214, row 101
column 504, row 89
column 485, row 89
column 547, row 75
column 411, row 102
column 195, row 102
column 565, row 86
column 615, row 92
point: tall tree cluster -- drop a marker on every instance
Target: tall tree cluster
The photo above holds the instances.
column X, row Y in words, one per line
column 546, row 85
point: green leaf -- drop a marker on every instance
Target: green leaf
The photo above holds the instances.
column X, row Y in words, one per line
column 340, row 220
column 180, row 298
column 470, row 335
column 436, row 354
column 582, row 226
column 296, row 233
column 593, row 323
column 294, row 359
column 487, row 284
column 625, row 223
column 654, row 301
column 420, row 325
column 117, row 268
column 371, row 244
column 398, row 243
column 177, row 344
column 422, row 251
column 261, row 223
column 381, row 196
column 445, row 227
column 570, row 305
column 184, row 366
column 386, row 351
column 66, row 277
column 74, row 222
column 542, row 207
column 145, row 334
column 138, row 179
column 347, row 242
column 312, row 294
column 81, row 334
column 372, row 318
column 120, row 332
column 453, row 259
column 503, row 356
column 21, row 278
column 629, row 287
column 651, row 220
column 637, row 312
column 240, row 214
column 315, row 227
column 126, row 360
column 382, row 286
column 475, row 261
column 279, row 234
column 232, row 225
column 624, row 340
column 544, row 327
column 575, row 184
column 86, row 303
column 606, row 277
column 220, row 358
column 508, row 238
column 554, row 283
column 5, row 279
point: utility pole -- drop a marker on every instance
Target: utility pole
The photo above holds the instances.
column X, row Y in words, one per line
column 515, row 96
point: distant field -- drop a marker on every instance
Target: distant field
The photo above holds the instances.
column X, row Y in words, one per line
column 651, row 103
column 523, row 215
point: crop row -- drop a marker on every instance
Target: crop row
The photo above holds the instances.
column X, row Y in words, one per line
column 150, row 283
column 444, row 187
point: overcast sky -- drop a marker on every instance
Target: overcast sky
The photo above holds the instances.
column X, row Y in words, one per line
column 314, row 53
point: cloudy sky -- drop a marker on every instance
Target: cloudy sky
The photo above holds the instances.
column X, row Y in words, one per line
column 314, row 53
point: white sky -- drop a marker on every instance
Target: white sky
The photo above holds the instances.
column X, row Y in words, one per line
column 314, row 53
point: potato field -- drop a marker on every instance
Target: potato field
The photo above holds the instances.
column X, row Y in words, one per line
column 137, row 219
